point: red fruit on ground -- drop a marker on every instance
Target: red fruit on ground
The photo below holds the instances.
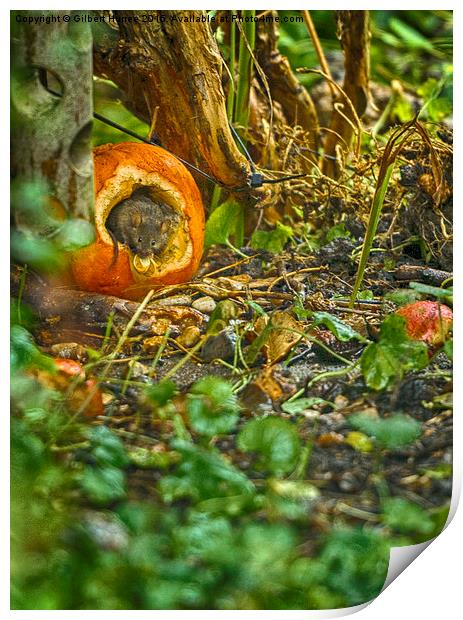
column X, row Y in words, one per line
column 429, row 321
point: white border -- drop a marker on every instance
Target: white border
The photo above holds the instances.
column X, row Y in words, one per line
column 432, row 586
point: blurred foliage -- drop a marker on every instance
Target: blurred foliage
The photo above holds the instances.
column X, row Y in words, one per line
column 109, row 102
column 412, row 46
column 206, row 535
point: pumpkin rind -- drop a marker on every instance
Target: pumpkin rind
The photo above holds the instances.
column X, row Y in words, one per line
column 118, row 170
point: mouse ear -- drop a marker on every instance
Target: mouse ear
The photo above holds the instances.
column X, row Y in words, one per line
column 165, row 225
column 135, row 219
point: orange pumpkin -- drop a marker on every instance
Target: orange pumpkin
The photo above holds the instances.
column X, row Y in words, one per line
column 119, row 170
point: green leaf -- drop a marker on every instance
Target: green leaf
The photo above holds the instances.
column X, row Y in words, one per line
column 365, row 295
column 448, row 349
column 24, row 353
column 161, row 393
column 104, row 484
column 75, row 233
column 212, row 406
column 403, row 296
column 147, row 459
column 395, row 432
column 275, row 440
column 203, row 474
column 359, row 441
column 354, row 562
column 273, row 240
column 341, row 330
column 411, row 37
column 336, row 231
column 40, row 253
column 107, row 448
column 385, row 361
column 223, row 223
column 406, row 517
column 442, row 294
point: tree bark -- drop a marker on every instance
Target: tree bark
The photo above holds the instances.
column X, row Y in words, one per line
column 51, row 133
column 175, row 67
column 285, row 89
column 354, row 34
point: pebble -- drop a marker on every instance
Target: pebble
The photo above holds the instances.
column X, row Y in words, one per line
column 204, row 304
column 348, row 483
column 221, row 346
column 189, row 337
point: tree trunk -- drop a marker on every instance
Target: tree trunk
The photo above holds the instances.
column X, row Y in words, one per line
column 285, row 89
column 174, row 69
column 51, row 133
column 354, row 34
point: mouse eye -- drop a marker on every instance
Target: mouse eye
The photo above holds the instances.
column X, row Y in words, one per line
column 153, row 243
column 139, row 240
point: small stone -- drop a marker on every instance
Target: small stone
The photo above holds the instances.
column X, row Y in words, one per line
column 204, row 304
column 107, row 398
column 348, row 483
column 221, row 346
column 139, row 370
column 189, row 337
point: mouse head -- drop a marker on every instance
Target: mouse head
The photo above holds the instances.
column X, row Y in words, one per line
column 148, row 232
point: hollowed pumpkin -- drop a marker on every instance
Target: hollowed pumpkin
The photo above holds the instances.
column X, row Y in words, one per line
column 119, row 170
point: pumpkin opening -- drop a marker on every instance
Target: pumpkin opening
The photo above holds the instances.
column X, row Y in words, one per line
column 146, row 225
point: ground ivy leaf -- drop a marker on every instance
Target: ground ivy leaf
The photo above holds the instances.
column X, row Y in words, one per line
column 395, row 432
column 275, row 440
column 161, row 393
column 388, row 359
column 104, row 484
column 273, row 240
column 406, row 517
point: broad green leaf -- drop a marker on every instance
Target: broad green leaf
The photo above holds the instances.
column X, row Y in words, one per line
column 443, row 294
column 104, row 484
column 336, row 231
column 273, row 240
column 275, row 440
column 448, row 349
column 406, row 517
column 403, row 296
column 107, row 449
column 365, row 295
column 24, row 353
column 212, row 406
column 224, row 223
column 394, row 432
column 161, row 393
column 385, row 361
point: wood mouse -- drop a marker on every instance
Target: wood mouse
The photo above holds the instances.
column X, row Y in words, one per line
column 141, row 223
